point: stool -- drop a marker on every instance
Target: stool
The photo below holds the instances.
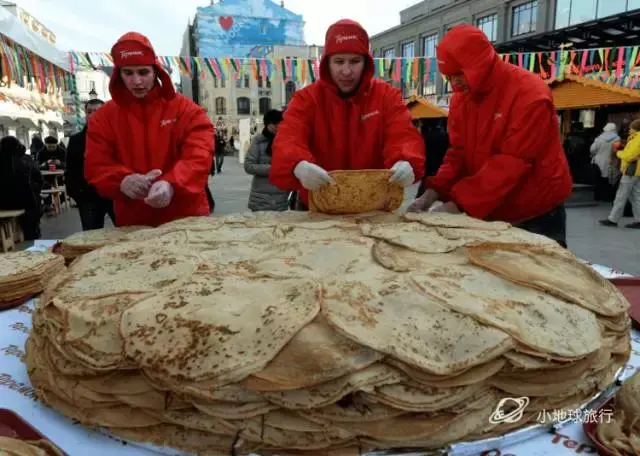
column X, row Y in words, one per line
column 10, row 231
column 55, row 199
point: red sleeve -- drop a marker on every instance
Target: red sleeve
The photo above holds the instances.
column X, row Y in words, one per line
column 291, row 145
column 190, row 173
column 102, row 168
column 452, row 168
column 402, row 141
column 526, row 138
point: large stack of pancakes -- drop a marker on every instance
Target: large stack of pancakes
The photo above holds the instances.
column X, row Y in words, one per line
column 85, row 241
column 24, row 275
column 289, row 333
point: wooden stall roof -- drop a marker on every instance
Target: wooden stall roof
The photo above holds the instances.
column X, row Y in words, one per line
column 423, row 109
column 578, row 92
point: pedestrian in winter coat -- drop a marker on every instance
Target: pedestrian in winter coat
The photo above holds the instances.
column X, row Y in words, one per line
column 264, row 195
column 52, row 153
column 629, row 188
column 20, row 185
column 505, row 160
column 149, row 149
column 220, row 146
column 345, row 121
column 601, row 158
column 92, row 207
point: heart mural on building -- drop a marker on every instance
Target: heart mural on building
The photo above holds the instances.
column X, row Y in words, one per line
column 226, row 22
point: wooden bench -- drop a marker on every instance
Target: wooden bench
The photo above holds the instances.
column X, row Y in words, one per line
column 10, row 230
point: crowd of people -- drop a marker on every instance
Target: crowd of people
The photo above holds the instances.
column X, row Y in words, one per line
column 145, row 157
column 22, row 182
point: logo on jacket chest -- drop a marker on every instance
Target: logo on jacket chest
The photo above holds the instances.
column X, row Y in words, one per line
column 370, row 115
column 165, row 122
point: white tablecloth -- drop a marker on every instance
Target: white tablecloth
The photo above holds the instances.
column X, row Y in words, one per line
column 16, row 394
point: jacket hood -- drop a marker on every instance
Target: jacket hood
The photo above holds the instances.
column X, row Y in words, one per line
column 136, row 49
column 467, row 50
column 608, row 135
column 346, row 37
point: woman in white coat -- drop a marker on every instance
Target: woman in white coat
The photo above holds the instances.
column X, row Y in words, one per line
column 601, row 157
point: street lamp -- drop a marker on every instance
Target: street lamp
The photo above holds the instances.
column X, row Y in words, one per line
column 93, row 94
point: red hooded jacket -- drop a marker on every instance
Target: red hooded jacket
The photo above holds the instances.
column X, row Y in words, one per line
column 163, row 131
column 370, row 130
column 505, row 160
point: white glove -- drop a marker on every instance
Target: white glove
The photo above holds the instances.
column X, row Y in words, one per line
column 425, row 202
column 135, row 186
column 153, row 175
column 311, row 176
column 160, row 195
column 402, row 174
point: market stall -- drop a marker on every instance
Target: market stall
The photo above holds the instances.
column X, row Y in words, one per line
column 592, row 102
column 281, row 333
column 423, row 109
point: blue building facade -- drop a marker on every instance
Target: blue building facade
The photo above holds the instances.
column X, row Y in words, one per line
column 246, row 28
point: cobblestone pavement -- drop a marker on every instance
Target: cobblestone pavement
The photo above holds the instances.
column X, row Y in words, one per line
column 617, row 248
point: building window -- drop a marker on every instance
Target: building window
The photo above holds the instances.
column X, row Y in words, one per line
column 289, row 90
column 244, row 105
column 611, row 7
column 571, row 12
column 221, row 106
column 265, row 105
column 92, row 85
column 247, row 81
column 582, row 11
column 429, row 45
column 388, row 54
column 261, row 83
column 429, row 50
column 523, row 18
column 489, row 25
column 408, row 52
column 429, row 88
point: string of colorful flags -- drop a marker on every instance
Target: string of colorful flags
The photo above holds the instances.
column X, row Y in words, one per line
column 21, row 66
column 615, row 65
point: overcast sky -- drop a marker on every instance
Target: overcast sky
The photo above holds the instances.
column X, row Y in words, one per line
column 94, row 25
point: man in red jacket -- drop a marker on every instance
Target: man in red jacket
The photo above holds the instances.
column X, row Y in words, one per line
column 347, row 120
column 149, row 149
column 505, row 160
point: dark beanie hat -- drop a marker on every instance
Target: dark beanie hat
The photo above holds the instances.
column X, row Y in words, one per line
column 272, row 117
